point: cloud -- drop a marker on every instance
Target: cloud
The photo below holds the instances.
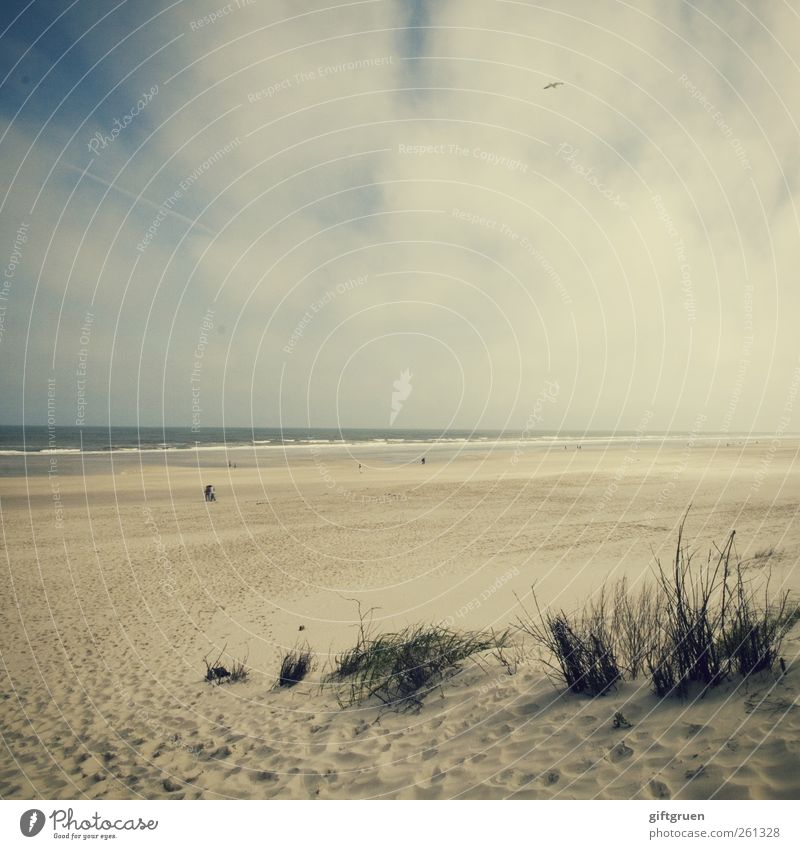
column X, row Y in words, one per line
column 624, row 234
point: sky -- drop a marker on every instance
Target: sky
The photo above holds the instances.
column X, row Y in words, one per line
column 306, row 213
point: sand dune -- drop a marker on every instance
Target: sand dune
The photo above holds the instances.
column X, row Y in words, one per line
column 111, row 606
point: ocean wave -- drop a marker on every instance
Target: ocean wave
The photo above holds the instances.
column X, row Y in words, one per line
column 299, row 444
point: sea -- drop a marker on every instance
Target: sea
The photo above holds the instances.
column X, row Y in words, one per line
column 35, row 450
column 15, row 439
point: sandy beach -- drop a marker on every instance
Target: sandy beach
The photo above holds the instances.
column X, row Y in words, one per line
column 119, row 582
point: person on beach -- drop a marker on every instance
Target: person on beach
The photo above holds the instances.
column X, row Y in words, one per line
column 207, row 493
column 423, row 461
column 211, row 494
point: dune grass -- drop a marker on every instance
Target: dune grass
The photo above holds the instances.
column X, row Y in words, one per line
column 217, row 673
column 580, row 649
column 401, row 668
column 714, row 623
column 692, row 625
column 296, row 664
column 239, row 671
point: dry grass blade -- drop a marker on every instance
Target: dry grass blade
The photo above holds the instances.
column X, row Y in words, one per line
column 296, row 664
column 695, row 625
column 401, row 668
column 216, row 673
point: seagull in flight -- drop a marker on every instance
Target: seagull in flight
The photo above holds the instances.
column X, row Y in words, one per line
column 553, row 85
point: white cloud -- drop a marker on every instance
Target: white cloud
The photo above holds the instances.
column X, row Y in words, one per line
column 574, row 273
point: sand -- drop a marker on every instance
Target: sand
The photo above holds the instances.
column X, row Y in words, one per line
column 119, row 583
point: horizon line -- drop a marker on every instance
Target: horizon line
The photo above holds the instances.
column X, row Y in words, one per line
column 391, row 428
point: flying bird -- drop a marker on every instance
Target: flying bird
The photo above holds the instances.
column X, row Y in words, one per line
column 553, row 85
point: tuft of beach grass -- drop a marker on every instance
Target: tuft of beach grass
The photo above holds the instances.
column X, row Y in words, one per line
column 693, row 625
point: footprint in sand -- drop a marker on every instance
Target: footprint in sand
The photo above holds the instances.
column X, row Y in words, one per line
column 437, row 775
column 529, row 709
column 551, row 777
column 620, row 752
column 659, row 790
column 525, row 780
column 221, row 752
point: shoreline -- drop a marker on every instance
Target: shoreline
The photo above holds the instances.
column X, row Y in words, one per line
column 23, row 464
